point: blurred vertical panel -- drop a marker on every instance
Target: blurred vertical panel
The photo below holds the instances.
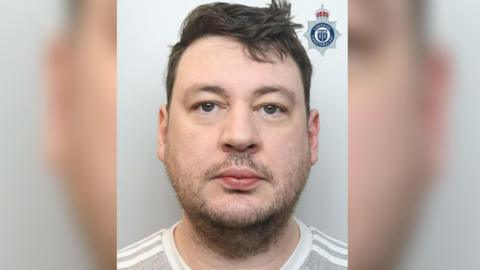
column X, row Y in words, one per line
column 36, row 227
column 60, row 216
column 448, row 236
column 413, row 134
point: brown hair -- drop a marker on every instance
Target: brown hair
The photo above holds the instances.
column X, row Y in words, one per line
column 260, row 30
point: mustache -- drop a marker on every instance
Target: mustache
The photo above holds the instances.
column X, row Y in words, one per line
column 244, row 160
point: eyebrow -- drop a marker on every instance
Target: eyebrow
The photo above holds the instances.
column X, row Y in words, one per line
column 214, row 89
column 275, row 89
column 263, row 90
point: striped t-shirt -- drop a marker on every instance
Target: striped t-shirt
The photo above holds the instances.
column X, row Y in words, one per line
column 314, row 251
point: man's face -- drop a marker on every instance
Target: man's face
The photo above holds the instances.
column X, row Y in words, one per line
column 83, row 120
column 391, row 128
column 236, row 143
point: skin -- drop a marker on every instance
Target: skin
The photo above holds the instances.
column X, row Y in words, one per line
column 197, row 139
column 396, row 115
column 81, row 122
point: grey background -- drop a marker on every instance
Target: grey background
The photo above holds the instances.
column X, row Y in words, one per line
column 145, row 200
column 37, row 228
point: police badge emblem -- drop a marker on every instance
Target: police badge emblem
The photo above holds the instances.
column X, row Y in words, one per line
column 322, row 33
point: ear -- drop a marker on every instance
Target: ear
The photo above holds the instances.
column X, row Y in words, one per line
column 313, row 130
column 58, row 73
column 437, row 93
column 162, row 132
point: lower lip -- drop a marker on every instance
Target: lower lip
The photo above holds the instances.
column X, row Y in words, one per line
column 243, row 184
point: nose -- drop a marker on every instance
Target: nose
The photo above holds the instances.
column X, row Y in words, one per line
column 240, row 133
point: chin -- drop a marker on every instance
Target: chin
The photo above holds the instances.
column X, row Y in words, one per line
column 236, row 213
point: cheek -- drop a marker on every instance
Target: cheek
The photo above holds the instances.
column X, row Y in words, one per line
column 383, row 144
column 285, row 148
column 93, row 108
column 383, row 118
column 381, row 134
column 191, row 145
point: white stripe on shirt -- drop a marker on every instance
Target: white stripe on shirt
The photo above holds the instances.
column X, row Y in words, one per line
column 328, row 237
column 330, row 245
column 142, row 257
column 329, row 256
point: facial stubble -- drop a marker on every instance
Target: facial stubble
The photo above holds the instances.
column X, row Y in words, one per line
column 238, row 235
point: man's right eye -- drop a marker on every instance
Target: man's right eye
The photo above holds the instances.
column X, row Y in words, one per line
column 207, row 107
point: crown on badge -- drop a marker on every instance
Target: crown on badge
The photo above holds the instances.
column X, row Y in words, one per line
column 322, row 13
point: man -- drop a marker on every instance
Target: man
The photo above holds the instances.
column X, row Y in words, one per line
column 82, row 119
column 397, row 85
column 238, row 139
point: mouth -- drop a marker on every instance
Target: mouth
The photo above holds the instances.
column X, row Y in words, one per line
column 239, row 179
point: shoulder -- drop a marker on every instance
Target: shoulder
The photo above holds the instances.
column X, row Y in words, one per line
column 147, row 253
column 326, row 252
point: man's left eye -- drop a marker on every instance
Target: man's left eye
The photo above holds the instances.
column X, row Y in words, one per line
column 208, row 106
column 271, row 109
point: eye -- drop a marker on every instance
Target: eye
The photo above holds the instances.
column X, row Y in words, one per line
column 207, row 106
column 271, row 109
column 361, row 43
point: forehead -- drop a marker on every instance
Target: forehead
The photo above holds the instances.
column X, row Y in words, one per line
column 387, row 14
column 93, row 12
column 103, row 8
column 226, row 62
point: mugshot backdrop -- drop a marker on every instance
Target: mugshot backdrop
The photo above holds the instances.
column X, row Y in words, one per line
column 145, row 200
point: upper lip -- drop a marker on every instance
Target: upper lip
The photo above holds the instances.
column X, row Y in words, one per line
column 238, row 173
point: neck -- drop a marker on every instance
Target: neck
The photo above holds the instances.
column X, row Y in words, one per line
column 201, row 251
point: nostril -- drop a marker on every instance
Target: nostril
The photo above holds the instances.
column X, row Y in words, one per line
column 229, row 147
column 238, row 148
